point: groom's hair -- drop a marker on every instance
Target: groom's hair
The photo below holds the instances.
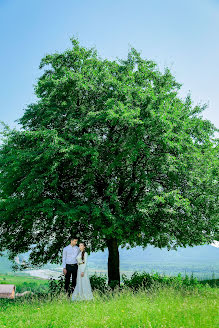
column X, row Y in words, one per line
column 72, row 238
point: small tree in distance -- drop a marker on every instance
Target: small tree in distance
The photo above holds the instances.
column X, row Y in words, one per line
column 109, row 152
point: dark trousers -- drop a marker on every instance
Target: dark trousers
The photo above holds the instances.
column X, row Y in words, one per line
column 72, row 270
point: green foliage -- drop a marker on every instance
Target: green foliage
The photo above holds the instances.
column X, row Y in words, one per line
column 147, row 280
column 212, row 283
column 108, row 150
column 113, row 284
column 98, row 282
column 57, row 286
column 137, row 280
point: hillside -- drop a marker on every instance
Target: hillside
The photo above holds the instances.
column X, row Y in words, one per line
column 203, row 261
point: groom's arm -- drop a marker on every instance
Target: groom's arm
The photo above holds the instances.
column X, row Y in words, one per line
column 64, row 260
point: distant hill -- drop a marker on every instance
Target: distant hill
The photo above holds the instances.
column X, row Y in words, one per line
column 201, row 260
column 206, row 253
column 5, row 264
column 199, row 254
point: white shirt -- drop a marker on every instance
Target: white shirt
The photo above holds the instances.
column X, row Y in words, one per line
column 69, row 255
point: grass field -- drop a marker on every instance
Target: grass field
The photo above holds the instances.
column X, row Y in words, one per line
column 158, row 307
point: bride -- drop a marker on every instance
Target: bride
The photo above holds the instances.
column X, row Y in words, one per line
column 82, row 289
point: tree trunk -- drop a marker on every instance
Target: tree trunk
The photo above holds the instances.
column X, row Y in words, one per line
column 113, row 263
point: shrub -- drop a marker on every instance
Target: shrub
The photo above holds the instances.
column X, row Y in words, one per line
column 147, row 280
column 138, row 280
column 57, row 286
column 98, row 282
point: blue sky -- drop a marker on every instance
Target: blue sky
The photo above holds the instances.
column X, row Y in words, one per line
column 182, row 35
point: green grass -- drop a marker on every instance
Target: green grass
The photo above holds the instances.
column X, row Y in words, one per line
column 158, row 307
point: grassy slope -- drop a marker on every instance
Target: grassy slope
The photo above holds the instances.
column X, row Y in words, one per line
column 164, row 307
column 24, row 283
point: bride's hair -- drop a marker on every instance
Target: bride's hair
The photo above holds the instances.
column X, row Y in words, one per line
column 82, row 254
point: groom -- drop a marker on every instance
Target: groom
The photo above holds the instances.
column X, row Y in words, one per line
column 69, row 263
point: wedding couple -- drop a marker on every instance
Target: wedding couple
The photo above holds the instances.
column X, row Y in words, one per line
column 74, row 263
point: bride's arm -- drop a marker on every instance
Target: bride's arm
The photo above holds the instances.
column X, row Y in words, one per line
column 85, row 262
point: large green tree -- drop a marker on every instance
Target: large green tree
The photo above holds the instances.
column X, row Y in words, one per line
column 109, row 151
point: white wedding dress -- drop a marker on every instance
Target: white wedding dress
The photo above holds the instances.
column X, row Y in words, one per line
column 82, row 289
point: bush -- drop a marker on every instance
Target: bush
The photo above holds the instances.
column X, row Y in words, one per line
column 98, row 282
column 135, row 282
column 138, row 280
column 147, row 280
column 57, row 286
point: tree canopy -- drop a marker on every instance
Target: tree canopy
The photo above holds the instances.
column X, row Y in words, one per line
column 110, row 152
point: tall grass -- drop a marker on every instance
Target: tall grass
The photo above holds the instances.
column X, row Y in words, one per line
column 159, row 306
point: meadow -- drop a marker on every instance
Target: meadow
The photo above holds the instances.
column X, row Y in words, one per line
column 158, row 306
